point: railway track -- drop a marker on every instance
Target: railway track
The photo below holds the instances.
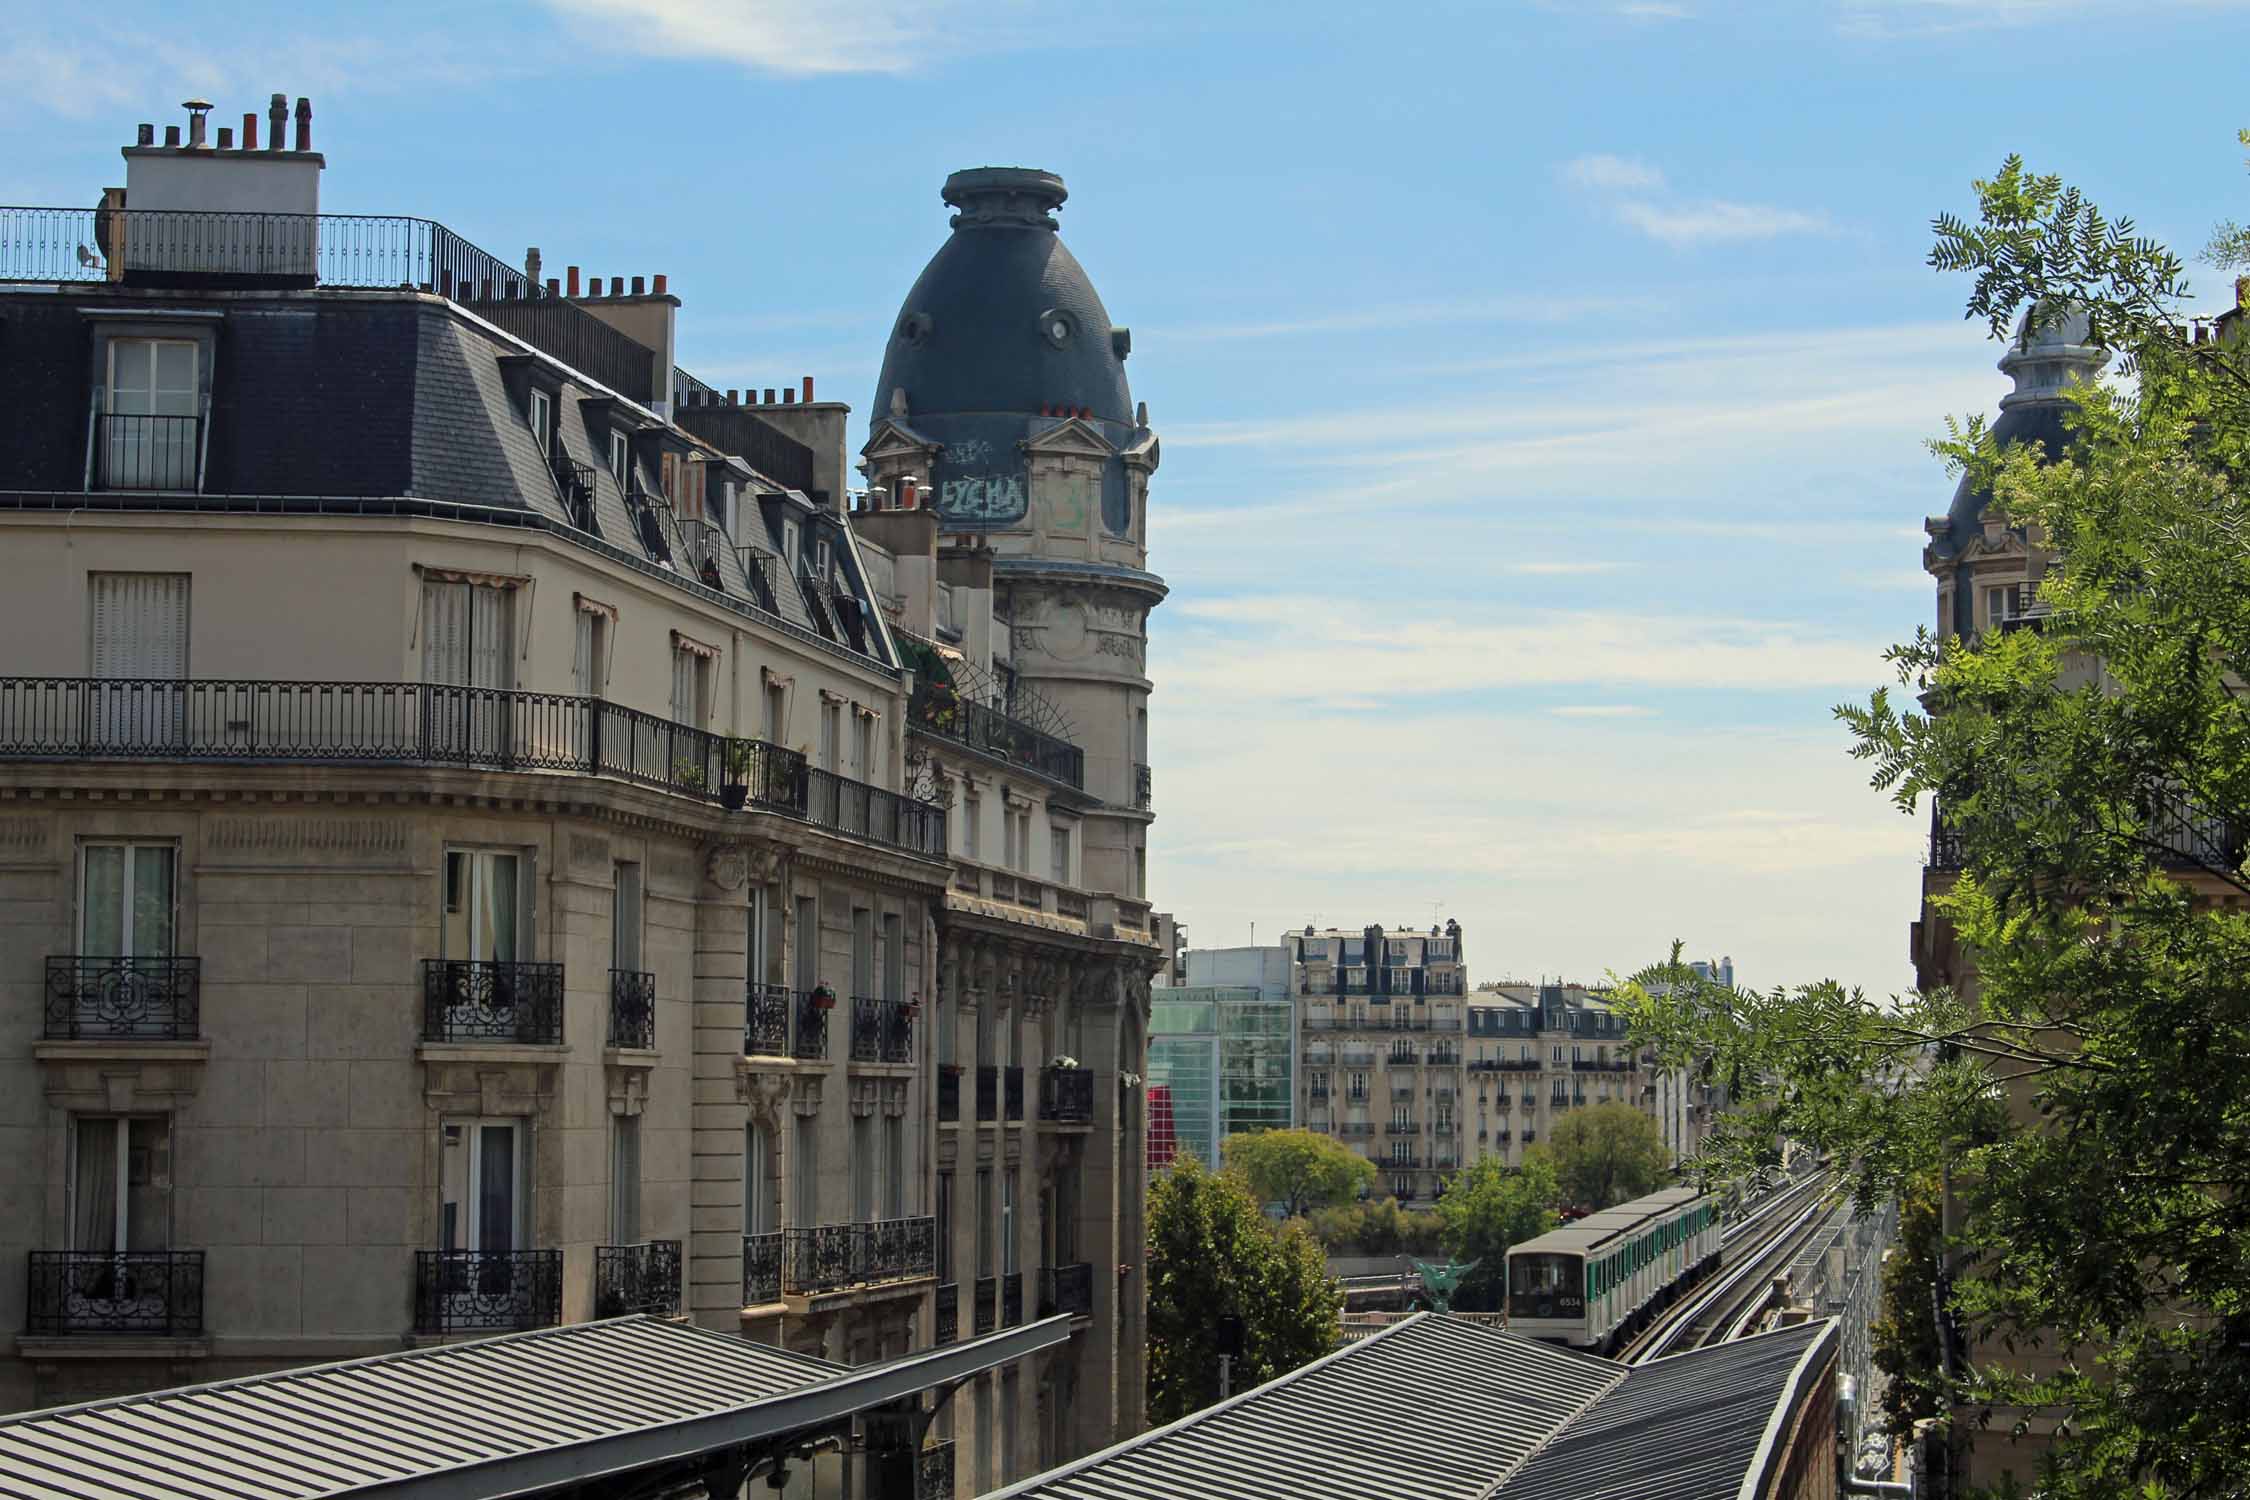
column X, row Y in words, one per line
column 1750, row 1252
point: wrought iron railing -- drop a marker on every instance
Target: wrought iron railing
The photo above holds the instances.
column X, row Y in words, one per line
column 948, row 1313
column 940, row 709
column 948, row 1093
column 761, row 1268
column 1144, row 786
column 643, row 1278
column 1011, row 1299
column 1601, row 1065
column 416, row 723
column 765, row 1020
column 988, row 1091
column 1395, row 1128
column 127, row 1291
column 574, row 487
column 811, row 1040
column 1067, row 1289
column 987, row 1310
column 135, row 451
column 122, row 999
column 933, row 1471
column 1066, row 1095
column 828, row 1257
column 632, row 1009
column 882, row 1030
column 1012, row 1078
column 474, row 1000
column 456, row 1290
column 702, row 542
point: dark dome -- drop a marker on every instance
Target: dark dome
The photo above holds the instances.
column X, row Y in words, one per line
column 1003, row 318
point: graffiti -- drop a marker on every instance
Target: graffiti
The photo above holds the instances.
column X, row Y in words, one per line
column 996, row 497
column 969, row 453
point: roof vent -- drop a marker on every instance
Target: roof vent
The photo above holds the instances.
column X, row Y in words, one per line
column 1004, row 198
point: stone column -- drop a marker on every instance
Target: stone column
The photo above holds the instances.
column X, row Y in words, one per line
column 722, row 946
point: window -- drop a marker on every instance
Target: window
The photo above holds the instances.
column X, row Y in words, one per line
column 863, row 745
column 831, row 735
column 944, row 1227
column 542, row 420
column 149, row 424
column 486, row 906
column 863, row 1169
column 1399, row 1120
column 1008, row 1265
column 465, row 634
column 620, row 457
column 777, row 713
column 894, row 1167
column 791, row 553
column 760, row 1213
column 1995, row 606
column 625, row 1179
column 808, row 942
column 863, row 952
column 894, row 957
column 481, row 1205
column 1058, row 846
column 126, row 900
column 691, row 686
column 1019, row 840
column 625, row 921
column 972, row 814
column 121, row 1183
column 137, row 633
column 805, row 1198
column 589, row 662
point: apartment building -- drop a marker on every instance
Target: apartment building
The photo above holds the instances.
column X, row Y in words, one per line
column 1537, row 1051
column 1382, row 1022
column 456, row 865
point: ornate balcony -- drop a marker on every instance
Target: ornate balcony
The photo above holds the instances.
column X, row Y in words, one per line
column 948, row 1313
column 988, row 1304
column 948, row 1093
column 458, row 1291
column 1011, row 1299
column 988, row 1092
column 1144, row 786
column 882, row 1030
column 1013, row 1078
column 933, row 1471
column 810, row 1044
column 832, row 1257
column 1409, row 1128
column 761, row 1268
column 643, row 1278
column 465, row 1000
column 1066, row 1095
column 122, row 999
column 1067, row 1289
column 940, row 708
column 143, row 1292
column 765, row 1021
column 632, row 1009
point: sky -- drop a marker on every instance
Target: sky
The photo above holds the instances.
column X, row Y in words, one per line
column 1543, row 387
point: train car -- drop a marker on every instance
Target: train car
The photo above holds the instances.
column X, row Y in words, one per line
column 1589, row 1282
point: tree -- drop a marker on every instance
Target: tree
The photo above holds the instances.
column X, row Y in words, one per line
column 1905, row 1336
column 1213, row 1253
column 2086, row 1098
column 1298, row 1169
column 1608, row 1154
column 1377, row 1227
column 1489, row 1206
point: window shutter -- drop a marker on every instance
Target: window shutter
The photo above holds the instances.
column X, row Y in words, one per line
column 488, row 637
column 140, row 625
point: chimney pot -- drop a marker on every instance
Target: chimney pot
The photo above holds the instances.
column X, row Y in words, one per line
column 145, row 136
column 554, row 287
column 249, row 130
column 197, row 111
column 226, row 137
column 808, row 389
column 788, row 396
column 660, row 283
column 573, row 270
column 277, row 115
column 731, row 395
column 304, row 124
column 171, row 135
column 769, row 395
column 617, row 286
column 638, row 288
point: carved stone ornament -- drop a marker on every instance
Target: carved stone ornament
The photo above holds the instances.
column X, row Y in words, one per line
column 727, row 867
column 894, row 1097
column 804, row 1098
column 765, row 1091
column 867, row 1093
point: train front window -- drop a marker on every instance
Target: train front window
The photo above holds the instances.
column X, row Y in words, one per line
column 1546, row 1286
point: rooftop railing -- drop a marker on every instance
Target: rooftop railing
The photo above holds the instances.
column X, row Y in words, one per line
column 938, row 708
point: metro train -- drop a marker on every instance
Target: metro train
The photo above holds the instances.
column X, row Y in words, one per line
column 1591, row 1281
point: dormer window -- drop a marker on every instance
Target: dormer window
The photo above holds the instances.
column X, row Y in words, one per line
column 150, row 438
column 620, row 456
column 542, row 419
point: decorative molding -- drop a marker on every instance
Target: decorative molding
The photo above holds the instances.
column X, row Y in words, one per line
column 866, row 1095
column 289, row 835
column 24, row 838
column 804, row 1097
column 765, row 1090
column 727, row 866
column 894, row 1097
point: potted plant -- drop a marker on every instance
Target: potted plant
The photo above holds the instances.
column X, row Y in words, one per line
column 688, row 774
column 914, row 1007
column 734, row 792
column 823, row 996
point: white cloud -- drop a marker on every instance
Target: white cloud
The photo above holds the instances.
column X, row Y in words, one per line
column 1897, row 18
column 1608, row 174
column 1715, row 220
column 795, row 36
column 1654, row 10
column 1565, row 569
column 1601, row 711
column 1534, row 311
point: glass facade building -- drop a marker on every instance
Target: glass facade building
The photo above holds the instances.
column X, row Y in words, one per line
column 1221, row 1061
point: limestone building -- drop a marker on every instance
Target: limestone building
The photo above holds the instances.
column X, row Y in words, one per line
column 1537, row 1051
column 457, row 868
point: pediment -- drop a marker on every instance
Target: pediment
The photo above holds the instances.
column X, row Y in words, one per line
column 1073, row 437
column 894, row 439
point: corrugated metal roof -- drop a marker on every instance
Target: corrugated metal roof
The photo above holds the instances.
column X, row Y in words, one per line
column 1432, row 1407
column 1696, row 1426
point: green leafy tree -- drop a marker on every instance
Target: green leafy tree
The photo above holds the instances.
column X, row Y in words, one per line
column 1905, row 1334
column 2088, row 1098
column 1213, row 1253
column 1298, row 1169
column 1489, row 1206
column 1607, row 1154
column 1377, row 1227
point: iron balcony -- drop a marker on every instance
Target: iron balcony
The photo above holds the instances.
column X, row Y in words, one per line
column 1066, row 1095
column 810, row 1043
column 987, row 1309
column 761, row 1268
column 939, row 708
column 128, row 1292
column 472, row 1000
column 122, row 999
column 948, row 1313
column 459, row 1290
column 765, row 1020
column 933, row 1471
column 1067, row 1289
column 1011, row 1299
column 882, row 1031
column 643, row 1278
column 632, row 1009
column 831, row 1257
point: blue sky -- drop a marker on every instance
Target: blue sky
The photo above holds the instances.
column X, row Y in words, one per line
column 1542, row 385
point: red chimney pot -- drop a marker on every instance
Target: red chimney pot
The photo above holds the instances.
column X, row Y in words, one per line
column 249, row 130
column 573, row 284
column 639, row 286
column 660, row 283
column 617, row 286
column 808, row 388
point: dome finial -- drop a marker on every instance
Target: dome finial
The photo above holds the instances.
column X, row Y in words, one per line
column 1005, row 198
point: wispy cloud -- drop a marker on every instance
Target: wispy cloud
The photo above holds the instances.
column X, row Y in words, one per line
column 1715, row 220
column 1565, row 569
column 1605, row 173
column 1654, row 10
column 1601, row 711
column 1907, row 18
column 1542, row 311
column 808, row 37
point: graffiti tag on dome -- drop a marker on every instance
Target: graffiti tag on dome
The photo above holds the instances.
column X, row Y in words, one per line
column 994, row 497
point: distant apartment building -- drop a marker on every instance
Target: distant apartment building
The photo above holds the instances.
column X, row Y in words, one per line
column 1538, row 1051
column 1221, row 1062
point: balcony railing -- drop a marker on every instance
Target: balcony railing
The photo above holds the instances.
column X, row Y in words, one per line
column 1355, row 1130
column 412, row 723
column 810, row 1043
column 1067, row 1289
column 458, row 1290
column 122, row 999
column 940, row 709
column 643, row 1278
column 132, row 1291
column 987, row 1309
column 948, row 1313
column 137, row 451
column 829, row 1257
column 1318, row 1096
column 988, row 1092
column 1144, row 786
column 470, row 1000
column 948, row 1093
column 1012, row 1078
column 1011, row 1299
column 1409, row 1128
column 882, row 1030
column 632, row 1009
column 933, row 1471
column 1066, row 1095
column 1404, row 1164
column 765, row 1020
column 761, row 1268
column 1516, row 1064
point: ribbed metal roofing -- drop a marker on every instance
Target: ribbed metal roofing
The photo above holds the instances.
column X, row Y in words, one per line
column 1433, row 1407
column 1705, row 1425
column 337, row 1429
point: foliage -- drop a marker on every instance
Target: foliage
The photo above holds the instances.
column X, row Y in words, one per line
column 1298, row 1169
column 1905, row 1335
column 1377, row 1227
column 1490, row 1206
column 1212, row 1252
column 2089, row 1096
column 1608, row 1154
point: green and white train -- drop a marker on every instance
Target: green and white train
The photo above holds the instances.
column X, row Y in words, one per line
column 1590, row 1282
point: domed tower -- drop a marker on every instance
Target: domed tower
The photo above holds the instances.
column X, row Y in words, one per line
column 1987, row 573
column 1003, row 393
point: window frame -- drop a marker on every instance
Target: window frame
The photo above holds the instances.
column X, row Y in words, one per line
column 539, row 415
column 134, row 850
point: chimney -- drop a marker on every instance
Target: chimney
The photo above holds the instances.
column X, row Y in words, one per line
column 198, row 110
column 145, row 136
column 249, row 130
column 572, row 284
column 304, row 124
column 769, row 395
column 554, row 287
column 808, row 389
column 226, row 137
column 788, row 396
column 660, row 284
column 731, row 397
column 908, row 496
column 639, row 288
column 617, row 286
column 171, row 135
column 531, row 265
column 277, row 115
